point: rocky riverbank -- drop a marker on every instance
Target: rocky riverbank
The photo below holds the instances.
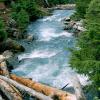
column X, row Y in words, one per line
column 63, row 7
column 76, row 27
column 13, row 86
column 13, row 82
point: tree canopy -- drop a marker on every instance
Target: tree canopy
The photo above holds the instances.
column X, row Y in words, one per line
column 86, row 59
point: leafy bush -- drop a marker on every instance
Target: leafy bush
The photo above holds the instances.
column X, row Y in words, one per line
column 81, row 7
column 30, row 7
column 25, row 11
column 22, row 19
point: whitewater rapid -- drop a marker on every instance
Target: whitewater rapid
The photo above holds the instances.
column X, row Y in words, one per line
column 47, row 59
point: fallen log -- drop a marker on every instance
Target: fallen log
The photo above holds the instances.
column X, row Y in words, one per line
column 23, row 88
column 46, row 90
column 9, row 91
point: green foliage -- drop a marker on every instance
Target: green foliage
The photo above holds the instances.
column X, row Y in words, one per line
column 93, row 18
column 86, row 59
column 55, row 2
column 29, row 6
column 3, row 34
column 25, row 11
column 22, row 19
column 81, row 7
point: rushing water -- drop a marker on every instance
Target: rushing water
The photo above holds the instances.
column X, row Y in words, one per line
column 46, row 60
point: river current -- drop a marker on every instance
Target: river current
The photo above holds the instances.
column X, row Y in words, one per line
column 46, row 60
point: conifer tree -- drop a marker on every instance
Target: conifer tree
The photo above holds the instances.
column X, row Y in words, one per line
column 86, row 59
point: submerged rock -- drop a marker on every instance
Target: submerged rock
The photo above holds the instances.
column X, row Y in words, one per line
column 30, row 38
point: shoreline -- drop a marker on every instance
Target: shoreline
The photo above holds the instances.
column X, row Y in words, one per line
column 63, row 7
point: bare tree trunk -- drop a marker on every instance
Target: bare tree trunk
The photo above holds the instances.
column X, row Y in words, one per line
column 25, row 89
column 46, row 90
column 9, row 91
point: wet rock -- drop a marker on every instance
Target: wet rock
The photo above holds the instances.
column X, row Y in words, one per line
column 67, row 19
column 79, row 26
column 14, row 46
column 75, row 27
column 30, row 38
column 70, row 25
column 8, row 54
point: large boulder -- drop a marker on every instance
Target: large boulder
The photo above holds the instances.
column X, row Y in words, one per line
column 70, row 25
column 14, row 45
column 7, row 54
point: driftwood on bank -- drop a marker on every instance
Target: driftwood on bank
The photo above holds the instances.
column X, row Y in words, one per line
column 46, row 90
column 9, row 91
column 23, row 88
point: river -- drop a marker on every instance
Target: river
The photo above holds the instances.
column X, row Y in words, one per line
column 46, row 60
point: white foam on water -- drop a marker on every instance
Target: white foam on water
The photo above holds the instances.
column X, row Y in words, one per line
column 66, row 75
column 43, row 72
column 63, row 78
column 59, row 19
column 48, row 33
column 21, row 68
column 50, row 18
column 84, row 80
column 38, row 54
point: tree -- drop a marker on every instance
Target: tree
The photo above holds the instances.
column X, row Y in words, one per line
column 30, row 6
column 81, row 7
column 86, row 59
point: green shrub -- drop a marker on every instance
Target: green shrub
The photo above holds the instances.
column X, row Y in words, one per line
column 22, row 19
column 81, row 7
